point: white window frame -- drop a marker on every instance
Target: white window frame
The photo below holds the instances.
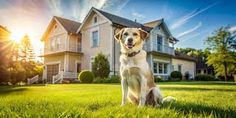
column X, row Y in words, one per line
column 91, row 37
column 180, row 68
column 157, row 64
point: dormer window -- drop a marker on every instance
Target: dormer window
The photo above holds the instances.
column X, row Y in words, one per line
column 95, row 19
column 55, row 26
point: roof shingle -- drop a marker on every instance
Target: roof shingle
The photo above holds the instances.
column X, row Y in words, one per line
column 123, row 21
column 69, row 25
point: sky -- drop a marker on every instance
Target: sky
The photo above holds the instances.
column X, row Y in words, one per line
column 190, row 21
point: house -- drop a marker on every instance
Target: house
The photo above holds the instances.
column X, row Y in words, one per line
column 62, row 50
column 68, row 51
column 184, row 64
column 98, row 30
column 203, row 68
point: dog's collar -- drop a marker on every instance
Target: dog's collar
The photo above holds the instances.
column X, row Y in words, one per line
column 132, row 54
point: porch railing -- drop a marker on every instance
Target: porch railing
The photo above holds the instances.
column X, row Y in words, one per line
column 57, row 78
column 163, row 49
column 33, row 80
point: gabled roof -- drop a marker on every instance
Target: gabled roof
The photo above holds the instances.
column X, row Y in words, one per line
column 123, row 21
column 69, row 25
column 154, row 23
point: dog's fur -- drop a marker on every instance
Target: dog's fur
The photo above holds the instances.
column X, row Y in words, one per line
column 136, row 76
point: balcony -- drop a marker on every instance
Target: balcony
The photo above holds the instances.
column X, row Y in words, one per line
column 162, row 49
column 48, row 50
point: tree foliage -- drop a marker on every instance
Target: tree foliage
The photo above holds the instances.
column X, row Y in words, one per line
column 222, row 45
column 100, row 66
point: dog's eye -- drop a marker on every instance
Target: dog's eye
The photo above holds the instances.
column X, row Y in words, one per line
column 135, row 34
column 126, row 34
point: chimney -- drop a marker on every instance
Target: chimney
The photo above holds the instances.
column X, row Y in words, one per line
column 135, row 20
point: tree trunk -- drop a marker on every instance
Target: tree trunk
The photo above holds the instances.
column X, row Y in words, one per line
column 225, row 69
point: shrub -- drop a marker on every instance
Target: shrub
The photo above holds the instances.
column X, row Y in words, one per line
column 98, row 80
column 176, row 75
column 112, row 79
column 204, row 77
column 158, row 79
column 100, row 66
column 86, row 76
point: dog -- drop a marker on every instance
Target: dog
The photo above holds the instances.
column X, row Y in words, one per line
column 137, row 79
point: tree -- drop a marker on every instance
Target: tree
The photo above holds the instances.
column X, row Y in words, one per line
column 222, row 46
column 26, row 50
column 100, row 66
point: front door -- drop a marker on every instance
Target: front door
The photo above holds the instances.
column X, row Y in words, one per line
column 78, row 68
column 52, row 70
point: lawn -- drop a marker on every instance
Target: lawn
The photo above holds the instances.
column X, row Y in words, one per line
column 194, row 99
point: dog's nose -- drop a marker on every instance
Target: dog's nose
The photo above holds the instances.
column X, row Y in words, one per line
column 130, row 40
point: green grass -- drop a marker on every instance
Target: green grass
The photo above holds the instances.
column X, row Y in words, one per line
column 194, row 99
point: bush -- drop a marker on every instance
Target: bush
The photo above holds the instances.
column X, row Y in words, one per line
column 98, row 80
column 86, row 76
column 158, row 79
column 204, row 77
column 112, row 79
column 100, row 66
column 176, row 75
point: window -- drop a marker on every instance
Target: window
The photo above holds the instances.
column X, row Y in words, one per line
column 179, row 68
column 160, row 68
column 78, row 67
column 52, row 44
column 205, row 71
column 95, row 19
column 95, row 39
column 165, row 68
column 198, row 71
column 159, row 43
column 154, row 67
column 79, row 46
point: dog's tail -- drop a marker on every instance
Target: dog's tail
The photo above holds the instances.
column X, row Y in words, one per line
column 168, row 99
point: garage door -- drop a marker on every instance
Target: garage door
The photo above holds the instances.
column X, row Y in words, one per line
column 52, row 70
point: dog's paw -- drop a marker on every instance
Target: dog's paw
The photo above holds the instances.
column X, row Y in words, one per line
column 122, row 105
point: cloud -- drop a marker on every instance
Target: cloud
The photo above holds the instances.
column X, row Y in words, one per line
column 232, row 29
column 115, row 5
column 189, row 16
column 189, row 31
column 138, row 15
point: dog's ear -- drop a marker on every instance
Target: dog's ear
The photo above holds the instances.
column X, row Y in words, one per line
column 118, row 35
column 143, row 34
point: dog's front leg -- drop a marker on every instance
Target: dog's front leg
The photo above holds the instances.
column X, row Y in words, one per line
column 124, row 86
column 143, row 91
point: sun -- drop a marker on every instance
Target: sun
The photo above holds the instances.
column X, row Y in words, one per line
column 17, row 36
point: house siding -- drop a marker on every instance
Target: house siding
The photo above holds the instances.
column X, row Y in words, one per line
column 186, row 66
column 104, row 46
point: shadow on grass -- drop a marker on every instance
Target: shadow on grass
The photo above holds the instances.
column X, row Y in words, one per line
column 198, row 83
column 4, row 90
column 196, row 89
column 187, row 108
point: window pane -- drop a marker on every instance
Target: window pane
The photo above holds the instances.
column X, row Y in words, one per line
column 160, row 68
column 179, row 68
column 165, row 68
column 95, row 39
column 154, row 67
column 159, row 43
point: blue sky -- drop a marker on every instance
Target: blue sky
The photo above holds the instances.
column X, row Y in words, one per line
column 191, row 21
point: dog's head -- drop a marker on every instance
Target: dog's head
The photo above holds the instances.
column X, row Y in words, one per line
column 131, row 38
